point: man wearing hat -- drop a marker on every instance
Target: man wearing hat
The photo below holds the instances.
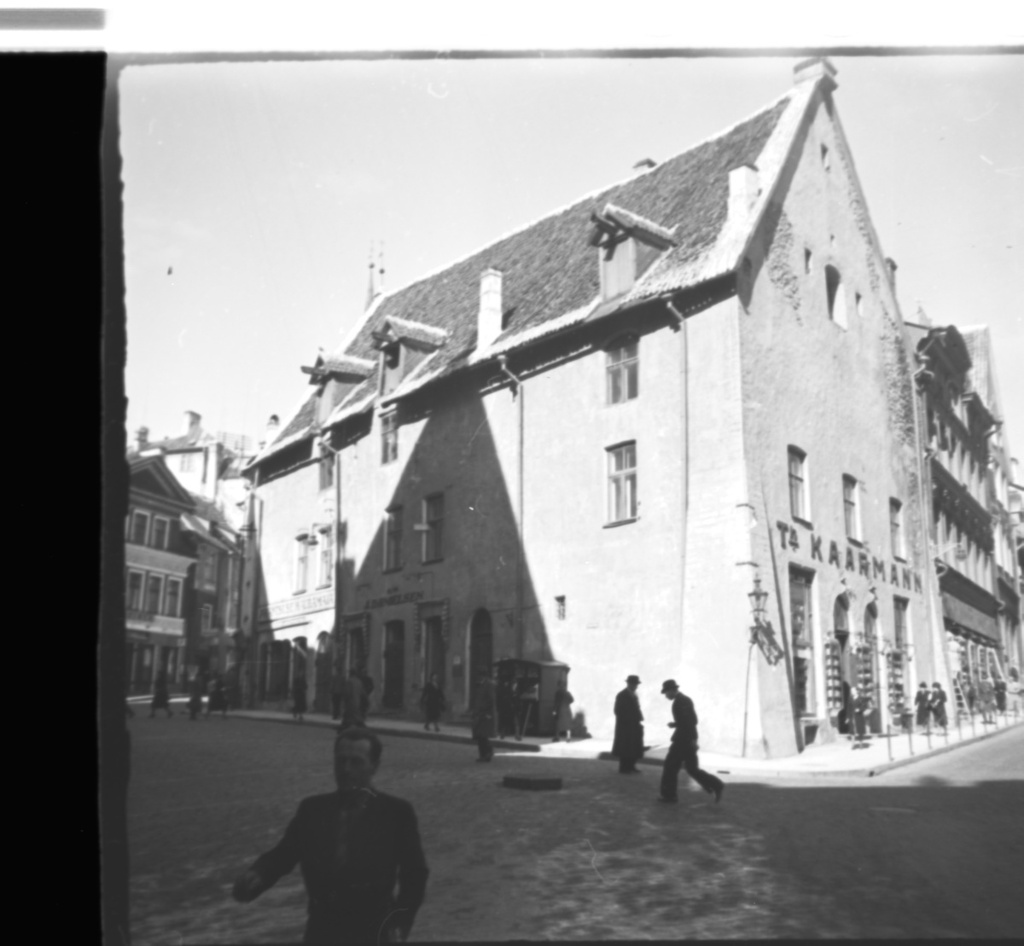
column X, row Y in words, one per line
column 629, row 728
column 683, row 751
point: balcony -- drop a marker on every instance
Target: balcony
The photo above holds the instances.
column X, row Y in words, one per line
column 139, row 620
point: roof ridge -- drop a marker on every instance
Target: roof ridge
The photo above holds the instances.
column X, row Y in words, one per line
column 590, row 195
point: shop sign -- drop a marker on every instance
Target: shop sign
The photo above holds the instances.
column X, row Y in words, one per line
column 271, row 612
column 388, row 600
column 854, row 560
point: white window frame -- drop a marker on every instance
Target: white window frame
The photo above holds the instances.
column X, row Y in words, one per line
column 897, row 538
column 140, row 514
column 137, row 605
column 856, row 534
column 151, row 576
column 619, row 500
column 176, row 612
column 300, row 570
column 325, row 558
column 618, row 365
column 388, row 438
column 393, row 539
column 793, row 451
column 167, row 531
column 433, row 531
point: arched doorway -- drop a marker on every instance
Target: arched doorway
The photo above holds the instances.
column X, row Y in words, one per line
column 841, row 635
column 393, row 695
column 481, row 649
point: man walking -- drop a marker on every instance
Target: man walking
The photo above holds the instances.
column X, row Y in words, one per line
column 629, row 728
column 483, row 717
column 353, row 846
column 683, row 751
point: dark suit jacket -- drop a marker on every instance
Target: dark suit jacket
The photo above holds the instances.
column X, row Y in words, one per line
column 685, row 717
column 350, row 903
column 629, row 731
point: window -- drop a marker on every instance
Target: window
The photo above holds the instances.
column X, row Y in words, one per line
column 388, row 437
column 154, row 589
column 896, row 527
column 859, row 303
column 800, row 617
column 825, row 161
column 393, row 539
column 160, row 529
column 807, row 260
column 623, row 371
column 301, row 563
column 325, row 577
column 433, row 527
column 851, row 510
column 326, row 468
column 560, row 606
column 622, row 504
column 172, row 601
column 900, row 606
column 798, row 506
column 207, row 566
column 206, row 618
column 618, row 268
column 134, row 591
column 187, row 462
column 836, row 296
column 140, row 527
column 391, row 367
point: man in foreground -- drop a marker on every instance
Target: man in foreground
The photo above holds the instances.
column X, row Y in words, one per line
column 683, row 751
column 353, row 846
column 629, row 727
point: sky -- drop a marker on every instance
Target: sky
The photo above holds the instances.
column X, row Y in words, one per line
column 255, row 193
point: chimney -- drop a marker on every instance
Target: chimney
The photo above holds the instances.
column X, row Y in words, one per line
column 141, row 439
column 810, row 70
column 488, row 326
column 273, row 424
column 743, row 191
column 890, row 264
column 191, row 428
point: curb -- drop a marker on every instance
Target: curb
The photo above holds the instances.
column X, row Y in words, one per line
column 941, row 750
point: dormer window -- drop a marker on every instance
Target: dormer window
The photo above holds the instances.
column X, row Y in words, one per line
column 618, row 269
column 622, row 237
column 391, row 367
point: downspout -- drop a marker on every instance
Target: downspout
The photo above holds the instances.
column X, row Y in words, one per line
column 337, row 565
column 684, row 442
column 252, row 550
column 518, row 394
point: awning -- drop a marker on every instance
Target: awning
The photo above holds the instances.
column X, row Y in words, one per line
column 970, row 618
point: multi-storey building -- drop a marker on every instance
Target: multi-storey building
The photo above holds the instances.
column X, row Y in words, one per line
column 159, row 560
column 599, row 439
column 969, row 471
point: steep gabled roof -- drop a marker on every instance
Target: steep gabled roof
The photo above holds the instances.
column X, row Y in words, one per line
column 550, row 272
column 150, row 475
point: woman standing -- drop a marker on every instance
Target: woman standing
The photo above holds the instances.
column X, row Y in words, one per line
column 432, row 702
column 922, row 702
column 562, row 713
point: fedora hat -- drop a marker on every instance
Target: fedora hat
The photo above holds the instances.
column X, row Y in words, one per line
column 669, row 685
column 632, row 678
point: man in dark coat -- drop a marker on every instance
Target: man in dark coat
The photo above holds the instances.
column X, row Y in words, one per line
column 938, row 706
column 629, row 728
column 353, row 846
column 683, row 751
column 923, row 703
column 484, row 711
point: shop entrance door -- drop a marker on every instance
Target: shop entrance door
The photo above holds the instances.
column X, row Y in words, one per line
column 394, row 665
column 841, row 623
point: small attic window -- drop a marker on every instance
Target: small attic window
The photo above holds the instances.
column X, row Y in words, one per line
column 836, row 297
column 825, row 160
column 391, row 367
column 618, row 269
column 859, row 300
column 807, row 260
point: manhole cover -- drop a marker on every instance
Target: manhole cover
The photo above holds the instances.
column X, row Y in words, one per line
column 533, row 783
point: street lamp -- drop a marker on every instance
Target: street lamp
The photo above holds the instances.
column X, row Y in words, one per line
column 758, row 599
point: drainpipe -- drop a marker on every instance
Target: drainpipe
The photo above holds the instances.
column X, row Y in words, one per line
column 251, row 533
column 684, row 442
column 517, row 393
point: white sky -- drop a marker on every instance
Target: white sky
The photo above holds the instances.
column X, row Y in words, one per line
column 262, row 186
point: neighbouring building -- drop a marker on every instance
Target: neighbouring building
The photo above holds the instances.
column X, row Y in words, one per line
column 970, row 473
column 594, row 441
column 159, row 562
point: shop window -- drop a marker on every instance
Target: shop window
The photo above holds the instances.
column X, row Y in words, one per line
column 172, row 600
column 623, row 371
column 896, row 528
column 851, row 507
column 393, row 539
column 799, row 507
column 140, row 527
column 388, row 438
column 801, row 623
column 622, row 502
column 433, row 528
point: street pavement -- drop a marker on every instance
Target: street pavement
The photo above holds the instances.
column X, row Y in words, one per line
column 932, row 848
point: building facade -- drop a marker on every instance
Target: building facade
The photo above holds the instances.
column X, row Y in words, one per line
column 159, row 565
column 594, row 440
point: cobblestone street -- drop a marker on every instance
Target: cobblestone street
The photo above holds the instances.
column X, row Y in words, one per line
column 932, row 849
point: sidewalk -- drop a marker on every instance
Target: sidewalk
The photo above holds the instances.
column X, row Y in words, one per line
column 837, row 758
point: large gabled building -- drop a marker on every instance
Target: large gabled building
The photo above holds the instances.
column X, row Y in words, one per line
column 595, row 439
